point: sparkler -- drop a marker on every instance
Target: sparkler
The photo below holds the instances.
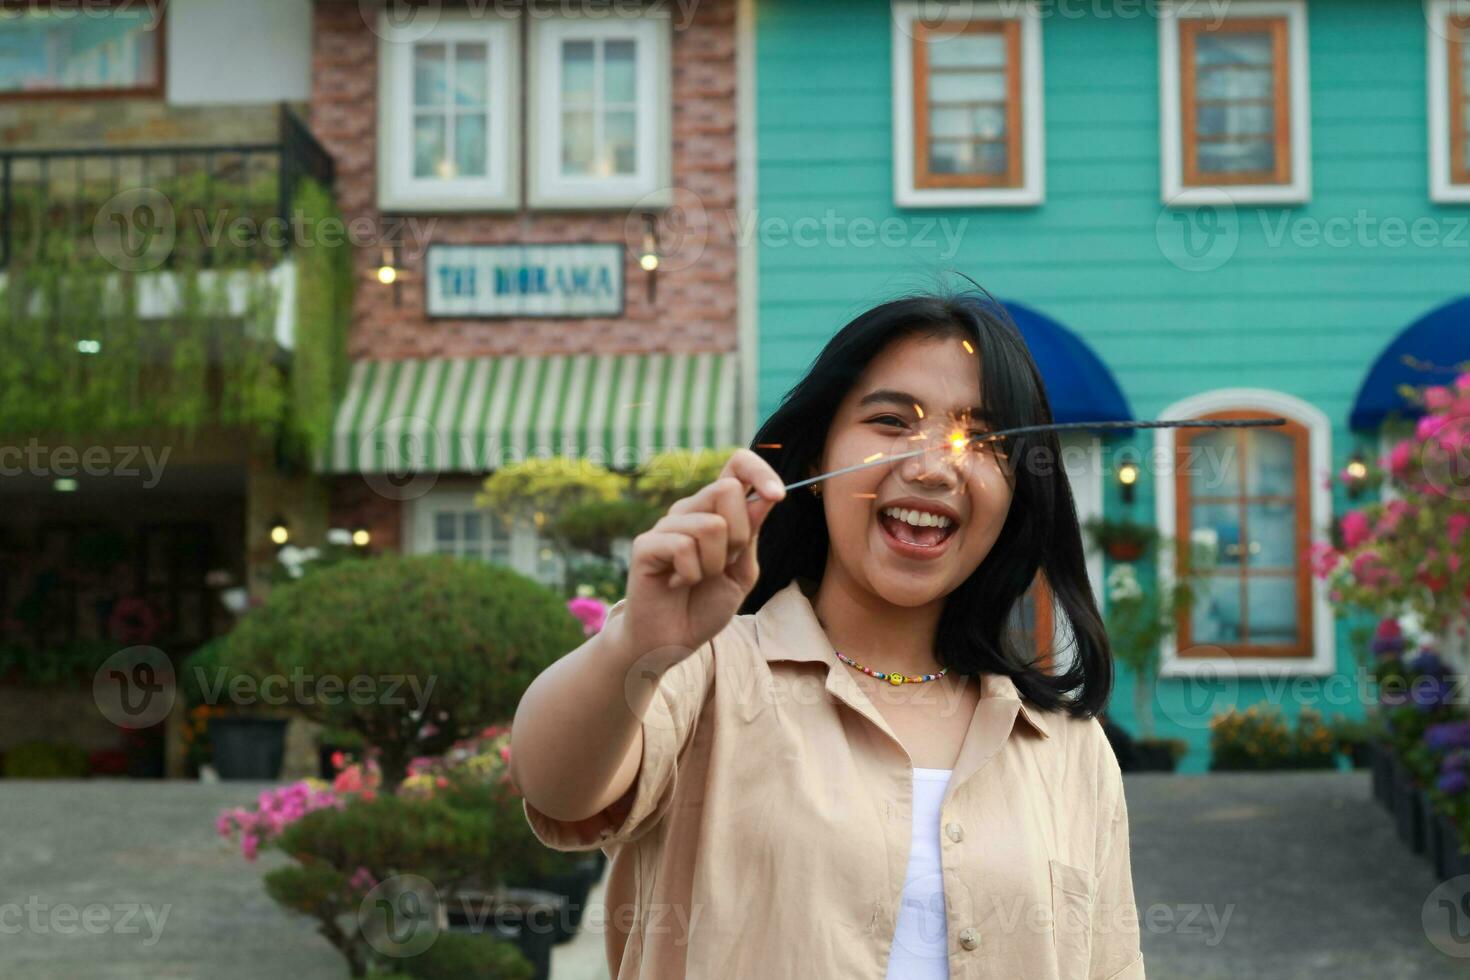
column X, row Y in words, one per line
column 959, row 442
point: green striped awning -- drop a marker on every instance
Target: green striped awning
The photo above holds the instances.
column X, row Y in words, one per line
column 474, row 414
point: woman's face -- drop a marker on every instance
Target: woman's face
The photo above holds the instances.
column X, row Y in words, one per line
column 911, row 532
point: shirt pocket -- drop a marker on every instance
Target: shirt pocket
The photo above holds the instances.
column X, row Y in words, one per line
column 1072, row 892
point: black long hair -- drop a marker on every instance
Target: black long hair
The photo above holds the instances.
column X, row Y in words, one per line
column 1041, row 532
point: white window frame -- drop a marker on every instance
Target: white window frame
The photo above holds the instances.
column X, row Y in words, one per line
column 1442, row 186
column 398, row 188
column 1174, row 192
column 650, row 186
column 418, row 528
column 1323, row 661
column 1033, row 136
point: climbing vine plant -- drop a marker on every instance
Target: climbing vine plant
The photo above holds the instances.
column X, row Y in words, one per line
column 85, row 352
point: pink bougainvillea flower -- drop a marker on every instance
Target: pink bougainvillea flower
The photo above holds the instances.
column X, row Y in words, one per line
column 1455, row 527
column 1438, row 398
column 592, row 613
column 1401, row 458
column 1324, row 559
column 1428, row 427
column 1463, row 382
column 1355, row 529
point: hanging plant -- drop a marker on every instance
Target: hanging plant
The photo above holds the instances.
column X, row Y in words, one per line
column 81, row 356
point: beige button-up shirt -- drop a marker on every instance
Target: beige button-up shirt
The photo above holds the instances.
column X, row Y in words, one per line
column 767, row 834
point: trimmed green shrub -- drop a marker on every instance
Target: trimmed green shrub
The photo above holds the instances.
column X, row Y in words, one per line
column 456, row 956
column 442, row 646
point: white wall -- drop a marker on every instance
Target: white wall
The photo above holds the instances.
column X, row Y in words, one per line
column 223, row 52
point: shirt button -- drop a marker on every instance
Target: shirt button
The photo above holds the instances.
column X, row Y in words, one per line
column 954, row 832
column 969, row 938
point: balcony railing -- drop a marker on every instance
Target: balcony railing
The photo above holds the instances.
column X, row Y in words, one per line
column 222, row 205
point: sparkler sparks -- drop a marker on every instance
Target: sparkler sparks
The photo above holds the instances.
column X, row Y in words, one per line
column 990, row 437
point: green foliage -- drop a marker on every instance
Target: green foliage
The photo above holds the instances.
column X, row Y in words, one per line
column 1260, row 738
column 605, row 579
column 46, row 760
column 550, row 486
column 1109, row 532
column 64, row 665
column 202, row 365
column 455, row 956
column 595, row 525
column 449, row 645
column 678, row 473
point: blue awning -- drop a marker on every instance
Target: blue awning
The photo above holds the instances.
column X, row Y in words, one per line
column 1078, row 383
column 1425, row 353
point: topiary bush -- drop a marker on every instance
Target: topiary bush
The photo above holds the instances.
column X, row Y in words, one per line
column 411, row 652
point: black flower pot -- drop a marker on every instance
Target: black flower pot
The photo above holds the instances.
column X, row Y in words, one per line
column 1408, row 804
column 248, row 748
column 572, row 885
column 1382, row 760
column 1152, row 756
column 1360, row 755
column 526, row 917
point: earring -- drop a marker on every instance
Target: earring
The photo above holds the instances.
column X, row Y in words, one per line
column 816, row 489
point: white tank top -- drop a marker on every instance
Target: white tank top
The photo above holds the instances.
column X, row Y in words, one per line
column 921, row 941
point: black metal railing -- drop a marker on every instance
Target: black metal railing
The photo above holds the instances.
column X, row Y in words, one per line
column 216, row 205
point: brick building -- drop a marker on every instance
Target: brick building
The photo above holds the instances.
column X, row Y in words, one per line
column 550, row 184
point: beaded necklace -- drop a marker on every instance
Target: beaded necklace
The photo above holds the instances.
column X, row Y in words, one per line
column 892, row 676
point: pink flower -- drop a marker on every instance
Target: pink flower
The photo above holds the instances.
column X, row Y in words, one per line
column 590, row 611
column 1429, row 426
column 1438, row 398
column 1463, row 382
column 1324, row 558
column 1456, row 526
column 1401, row 458
column 249, row 846
column 1355, row 529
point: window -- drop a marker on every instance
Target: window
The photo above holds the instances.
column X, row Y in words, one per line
column 447, row 131
column 600, row 124
column 446, row 521
column 1449, row 100
column 1244, row 502
column 1234, row 103
column 64, row 49
column 967, row 113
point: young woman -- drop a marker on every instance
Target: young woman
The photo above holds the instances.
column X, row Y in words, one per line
column 810, row 737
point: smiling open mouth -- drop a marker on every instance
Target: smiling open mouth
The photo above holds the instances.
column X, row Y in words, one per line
column 916, row 527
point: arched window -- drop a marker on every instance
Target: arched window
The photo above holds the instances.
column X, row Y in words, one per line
column 1243, row 505
column 1241, row 502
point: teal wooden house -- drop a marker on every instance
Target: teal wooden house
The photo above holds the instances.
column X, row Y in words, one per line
column 1192, row 209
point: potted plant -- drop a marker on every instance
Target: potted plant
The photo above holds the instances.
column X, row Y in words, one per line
column 1354, row 738
column 1138, row 619
column 244, row 742
column 1121, row 539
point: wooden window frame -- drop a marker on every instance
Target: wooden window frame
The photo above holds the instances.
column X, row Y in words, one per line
column 154, row 90
column 1279, row 28
column 1015, row 175
column 1457, row 40
column 1299, row 574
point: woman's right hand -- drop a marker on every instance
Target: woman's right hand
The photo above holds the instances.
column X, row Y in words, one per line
column 690, row 572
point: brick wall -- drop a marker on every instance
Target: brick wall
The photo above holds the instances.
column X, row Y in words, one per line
column 695, row 306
